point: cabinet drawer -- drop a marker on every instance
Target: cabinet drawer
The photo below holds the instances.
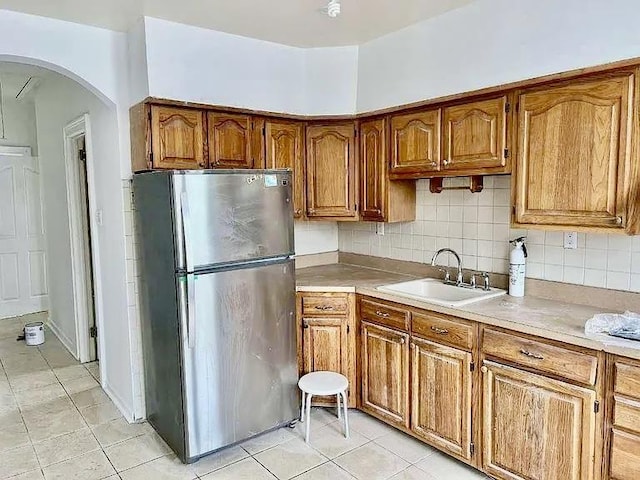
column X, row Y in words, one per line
column 625, row 456
column 627, row 380
column 325, row 304
column 626, row 414
column 442, row 329
column 569, row 364
column 384, row 314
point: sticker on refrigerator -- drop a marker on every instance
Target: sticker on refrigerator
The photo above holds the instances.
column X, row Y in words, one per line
column 270, row 181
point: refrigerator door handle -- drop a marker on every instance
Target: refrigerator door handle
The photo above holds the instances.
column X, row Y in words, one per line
column 186, row 227
column 191, row 310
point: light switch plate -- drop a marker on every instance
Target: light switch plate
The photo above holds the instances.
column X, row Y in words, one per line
column 571, row 240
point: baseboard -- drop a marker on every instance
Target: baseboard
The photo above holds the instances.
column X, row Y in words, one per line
column 119, row 402
column 66, row 341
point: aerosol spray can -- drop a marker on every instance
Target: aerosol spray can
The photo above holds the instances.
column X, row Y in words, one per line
column 517, row 266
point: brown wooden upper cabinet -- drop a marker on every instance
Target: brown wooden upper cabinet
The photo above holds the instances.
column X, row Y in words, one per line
column 475, row 137
column 230, row 140
column 380, row 199
column 331, row 171
column 573, row 160
column 415, row 144
column 285, row 149
column 176, row 138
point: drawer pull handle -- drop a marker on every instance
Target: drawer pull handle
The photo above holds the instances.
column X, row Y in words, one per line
column 324, row 307
column 382, row 314
column 531, row 355
column 440, row 331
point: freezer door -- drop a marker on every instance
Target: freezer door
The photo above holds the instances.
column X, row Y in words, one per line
column 239, row 354
column 232, row 217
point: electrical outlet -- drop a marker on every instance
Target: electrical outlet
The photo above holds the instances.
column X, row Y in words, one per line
column 571, row 240
column 379, row 228
column 99, row 217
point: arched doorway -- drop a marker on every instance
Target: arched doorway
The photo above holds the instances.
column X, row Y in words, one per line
column 61, row 100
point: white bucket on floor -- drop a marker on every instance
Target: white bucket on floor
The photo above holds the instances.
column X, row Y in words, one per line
column 34, row 333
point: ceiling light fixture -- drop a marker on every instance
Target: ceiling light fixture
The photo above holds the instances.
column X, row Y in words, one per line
column 333, row 8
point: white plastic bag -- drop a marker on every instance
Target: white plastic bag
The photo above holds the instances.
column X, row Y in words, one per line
column 626, row 325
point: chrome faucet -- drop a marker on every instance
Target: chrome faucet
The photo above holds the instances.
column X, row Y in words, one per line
column 452, row 252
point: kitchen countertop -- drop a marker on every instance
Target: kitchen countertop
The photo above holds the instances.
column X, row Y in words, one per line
column 549, row 319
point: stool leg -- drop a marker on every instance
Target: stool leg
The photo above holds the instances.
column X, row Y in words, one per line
column 304, row 397
column 346, row 412
column 308, row 405
column 338, row 400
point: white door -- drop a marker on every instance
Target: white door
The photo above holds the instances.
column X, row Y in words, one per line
column 23, row 275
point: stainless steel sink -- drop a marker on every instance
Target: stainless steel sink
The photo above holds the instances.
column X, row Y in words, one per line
column 432, row 290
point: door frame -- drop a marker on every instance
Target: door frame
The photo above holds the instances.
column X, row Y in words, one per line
column 77, row 128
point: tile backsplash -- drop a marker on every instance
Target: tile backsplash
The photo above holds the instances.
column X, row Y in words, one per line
column 476, row 225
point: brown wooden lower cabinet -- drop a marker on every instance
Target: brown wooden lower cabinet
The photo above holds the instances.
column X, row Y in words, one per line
column 536, row 428
column 625, row 456
column 512, row 422
column 441, row 383
column 385, row 373
column 326, row 338
column 624, row 432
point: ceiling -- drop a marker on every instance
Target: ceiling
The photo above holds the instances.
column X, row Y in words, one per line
column 292, row 22
column 14, row 76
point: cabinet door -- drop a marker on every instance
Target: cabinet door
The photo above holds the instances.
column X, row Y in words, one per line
column 385, row 373
column 229, row 141
column 625, row 456
column 373, row 170
column 324, row 344
column 536, row 428
column 177, row 138
column 573, row 152
column 475, row 136
column 331, row 171
column 441, row 396
column 415, row 143
column 284, row 149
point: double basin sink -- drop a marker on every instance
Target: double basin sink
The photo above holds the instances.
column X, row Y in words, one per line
column 431, row 290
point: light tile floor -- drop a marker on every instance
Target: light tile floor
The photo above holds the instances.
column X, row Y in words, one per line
column 56, row 423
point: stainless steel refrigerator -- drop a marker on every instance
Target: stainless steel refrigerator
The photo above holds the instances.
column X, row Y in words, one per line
column 217, row 302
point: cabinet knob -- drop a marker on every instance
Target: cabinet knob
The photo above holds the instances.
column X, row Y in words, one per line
column 484, row 369
column 298, row 211
column 323, row 307
column 529, row 354
column 618, row 220
column 439, row 331
column 402, row 341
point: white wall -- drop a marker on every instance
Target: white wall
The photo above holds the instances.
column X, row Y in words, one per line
column 138, row 69
column 98, row 60
column 58, row 102
column 330, row 80
column 200, row 65
column 476, row 225
column 19, row 124
column 491, row 42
